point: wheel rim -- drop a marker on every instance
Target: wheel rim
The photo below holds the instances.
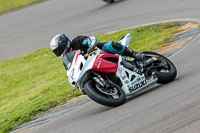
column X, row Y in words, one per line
column 111, row 92
column 166, row 68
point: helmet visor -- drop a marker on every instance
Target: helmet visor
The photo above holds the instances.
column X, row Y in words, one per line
column 59, row 50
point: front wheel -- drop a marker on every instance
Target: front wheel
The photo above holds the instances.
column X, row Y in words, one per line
column 165, row 70
column 104, row 98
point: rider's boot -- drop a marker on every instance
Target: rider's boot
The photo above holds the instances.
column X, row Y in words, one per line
column 136, row 55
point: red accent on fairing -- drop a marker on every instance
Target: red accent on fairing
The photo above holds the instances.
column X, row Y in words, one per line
column 77, row 54
column 103, row 65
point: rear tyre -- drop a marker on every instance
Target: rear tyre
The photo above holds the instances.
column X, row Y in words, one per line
column 164, row 76
column 104, row 99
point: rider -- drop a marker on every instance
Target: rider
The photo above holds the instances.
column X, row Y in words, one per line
column 60, row 45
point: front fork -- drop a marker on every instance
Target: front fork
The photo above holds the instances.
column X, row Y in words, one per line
column 105, row 86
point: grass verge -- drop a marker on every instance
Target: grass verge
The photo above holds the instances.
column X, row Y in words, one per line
column 35, row 82
column 11, row 5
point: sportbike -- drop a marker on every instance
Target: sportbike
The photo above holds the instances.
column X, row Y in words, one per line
column 108, row 78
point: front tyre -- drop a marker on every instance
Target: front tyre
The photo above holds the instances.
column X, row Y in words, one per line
column 101, row 98
column 166, row 73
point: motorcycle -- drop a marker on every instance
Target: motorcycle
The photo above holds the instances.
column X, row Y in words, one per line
column 108, row 78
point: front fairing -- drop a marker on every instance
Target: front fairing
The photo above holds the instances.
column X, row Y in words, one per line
column 86, row 68
column 76, row 68
column 79, row 67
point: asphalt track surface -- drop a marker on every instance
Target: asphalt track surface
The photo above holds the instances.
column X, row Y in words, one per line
column 170, row 108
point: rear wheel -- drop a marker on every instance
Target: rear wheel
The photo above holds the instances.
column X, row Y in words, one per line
column 112, row 96
column 165, row 70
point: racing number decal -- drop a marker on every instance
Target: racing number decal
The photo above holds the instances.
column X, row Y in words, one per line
column 137, row 86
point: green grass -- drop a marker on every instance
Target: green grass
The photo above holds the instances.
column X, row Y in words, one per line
column 10, row 5
column 35, row 82
column 145, row 38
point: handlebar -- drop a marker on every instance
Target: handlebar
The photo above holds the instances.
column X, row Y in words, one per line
column 90, row 51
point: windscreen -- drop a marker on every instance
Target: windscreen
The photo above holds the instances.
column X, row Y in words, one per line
column 68, row 58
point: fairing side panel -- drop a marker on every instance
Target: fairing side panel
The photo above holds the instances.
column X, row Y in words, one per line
column 102, row 64
column 133, row 82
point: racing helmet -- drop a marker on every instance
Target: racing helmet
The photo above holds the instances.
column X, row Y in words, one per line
column 59, row 44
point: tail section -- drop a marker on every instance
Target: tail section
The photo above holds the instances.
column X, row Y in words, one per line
column 126, row 40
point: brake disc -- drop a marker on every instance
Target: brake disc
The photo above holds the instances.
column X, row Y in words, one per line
column 112, row 91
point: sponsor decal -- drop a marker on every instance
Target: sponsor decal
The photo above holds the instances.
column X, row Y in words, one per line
column 137, row 86
column 134, row 82
column 120, row 71
column 126, row 82
column 138, row 79
column 99, row 64
column 123, row 77
column 137, row 70
column 72, row 74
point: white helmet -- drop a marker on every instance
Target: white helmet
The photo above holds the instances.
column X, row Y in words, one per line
column 59, row 43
